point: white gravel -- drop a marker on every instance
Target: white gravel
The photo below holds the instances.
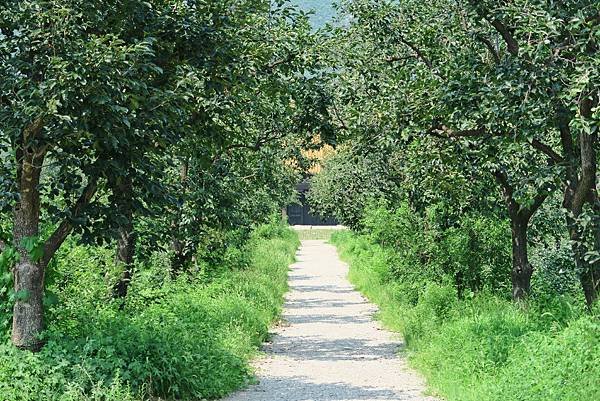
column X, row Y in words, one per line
column 329, row 347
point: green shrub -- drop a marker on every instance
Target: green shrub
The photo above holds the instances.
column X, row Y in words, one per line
column 182, row 339
column 473, row 254
column 484, row 347
column 554, row 271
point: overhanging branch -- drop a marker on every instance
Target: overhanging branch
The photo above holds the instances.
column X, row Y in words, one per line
column 64, row 229
column 505, row 32
column 547, row 150
column 490, row 48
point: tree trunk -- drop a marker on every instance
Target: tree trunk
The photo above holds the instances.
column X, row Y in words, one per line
column 127, row 237
column 180, row 257
column 589, row 273
column 592, row 286
column 520, row 216
column 179, row 260
column 458, row 283
column 580, row 188
column 28, row 274
column 522, row 269
column 28, row 311
column 34, row 255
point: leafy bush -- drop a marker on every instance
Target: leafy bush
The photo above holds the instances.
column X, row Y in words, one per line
column 348, row 183
column 174, row 339
column 554, row 270
column 480, row 348
column 473, row 254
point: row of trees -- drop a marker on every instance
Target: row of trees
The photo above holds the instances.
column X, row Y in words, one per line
column 459, row 98
column 143, row 125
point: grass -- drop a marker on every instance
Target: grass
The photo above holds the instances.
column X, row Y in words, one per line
column 187, row 339
column 483, row 348
column 316, row 234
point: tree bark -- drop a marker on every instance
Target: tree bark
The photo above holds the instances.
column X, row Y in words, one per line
column 520, row 217
column 592, row 281
column 126, row 236
column 580, row 188
column 29, row 271
column 180, row 256
column 28, row 274
column 522, row 269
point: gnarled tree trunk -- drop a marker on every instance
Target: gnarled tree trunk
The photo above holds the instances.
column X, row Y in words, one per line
column 580, row 188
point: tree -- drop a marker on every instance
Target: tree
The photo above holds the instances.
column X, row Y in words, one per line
column 99, row 99
column 66, row 80
column 483, row 73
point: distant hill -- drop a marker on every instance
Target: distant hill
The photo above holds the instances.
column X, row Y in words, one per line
column 324, row 10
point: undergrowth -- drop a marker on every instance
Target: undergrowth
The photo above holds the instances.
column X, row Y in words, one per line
column 481, row 347
column 190, row 338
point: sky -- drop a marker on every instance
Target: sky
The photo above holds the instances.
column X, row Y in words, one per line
column 324, row 10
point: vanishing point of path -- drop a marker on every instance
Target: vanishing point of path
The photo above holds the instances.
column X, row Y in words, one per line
column 329, row 348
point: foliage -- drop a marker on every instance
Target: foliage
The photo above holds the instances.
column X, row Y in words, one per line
column 473, row 254
column 348, row 182
column 149, row 127
column 480, row 348
column 188, row 338
column 471, row 97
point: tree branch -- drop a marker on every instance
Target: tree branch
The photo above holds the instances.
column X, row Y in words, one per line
column 542, row 194
column 257, row 145
column 547, row 150
column 270, row 67
column 507, row 193
column 343, row 124
column 490, row 47
column 33, row 130
column 499, row 26
column 64, row 229
column 587, row 182
column 511, row 43
column 442, row 131
column 418, row 52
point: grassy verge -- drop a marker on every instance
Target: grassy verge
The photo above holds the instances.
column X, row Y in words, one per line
column 483, row 348
column 316, row 233
column 186, row 339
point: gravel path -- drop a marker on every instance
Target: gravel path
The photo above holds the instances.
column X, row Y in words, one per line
column 329, row 347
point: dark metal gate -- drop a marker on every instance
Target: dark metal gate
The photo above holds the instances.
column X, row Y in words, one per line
column 299, row 214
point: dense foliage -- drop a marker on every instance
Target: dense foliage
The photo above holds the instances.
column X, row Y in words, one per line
column 476, row 112
column 466, row 166
column 182, row 338
column 481, row 347
column 143, row 145
column 144, row 126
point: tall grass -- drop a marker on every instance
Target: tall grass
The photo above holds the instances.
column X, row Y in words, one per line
column 187, row 339
column 316, row 234
column 482, row 348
